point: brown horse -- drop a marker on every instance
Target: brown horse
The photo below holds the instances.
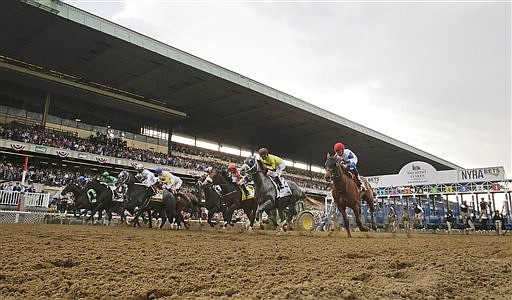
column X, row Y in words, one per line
column 346, row 192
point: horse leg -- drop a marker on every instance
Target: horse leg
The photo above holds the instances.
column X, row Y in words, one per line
column 251, row 214
column 345, row 221
column 180, row 220
column 150, row 217
column 357, row 213
column 371, row 206
column 163, row 215
column 138, row 213
column 229, row 216
column 291, row 214
column 210, row 216
column 374, row 225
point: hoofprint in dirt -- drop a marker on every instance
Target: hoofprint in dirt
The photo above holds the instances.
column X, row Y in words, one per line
column 93, row 262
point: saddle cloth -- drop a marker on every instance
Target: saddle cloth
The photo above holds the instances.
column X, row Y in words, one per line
column 158, row 196
column 251, row 191
column 284, row 191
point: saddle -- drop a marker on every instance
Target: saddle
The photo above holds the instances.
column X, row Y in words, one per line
column 355, row 178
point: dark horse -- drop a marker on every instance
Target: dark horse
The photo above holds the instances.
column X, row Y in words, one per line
column 267, row 193
column 232, row 196
column 80, row 199
column 105, row 201
column 213, row 199
column 346, row 192
column 140, row 197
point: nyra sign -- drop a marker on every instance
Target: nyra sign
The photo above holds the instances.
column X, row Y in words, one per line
column 483, row 174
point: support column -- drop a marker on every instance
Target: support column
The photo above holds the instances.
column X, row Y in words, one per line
column 169, row 143
column 46, row 109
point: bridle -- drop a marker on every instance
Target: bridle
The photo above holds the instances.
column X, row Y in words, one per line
column 251, row 169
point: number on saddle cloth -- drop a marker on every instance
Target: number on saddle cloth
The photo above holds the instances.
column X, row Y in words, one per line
column 158, row 195
column 284, row 191
column 92, row 195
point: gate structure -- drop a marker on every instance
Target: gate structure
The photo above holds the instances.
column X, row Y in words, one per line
column 419, row 184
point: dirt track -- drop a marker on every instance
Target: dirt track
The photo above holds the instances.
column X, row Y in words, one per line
column 94, row 262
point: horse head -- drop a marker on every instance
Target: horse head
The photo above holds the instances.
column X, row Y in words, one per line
column 252, row 165
column 70, row 188
column 331, row 167
column 218, row 178
column 124, row 178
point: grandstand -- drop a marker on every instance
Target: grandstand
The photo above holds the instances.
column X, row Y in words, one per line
column 106, row 75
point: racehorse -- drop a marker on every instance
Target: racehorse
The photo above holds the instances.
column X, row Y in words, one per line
column 346, row 192
column 195, row 200
column 232, row 196
column 137, row 197
column 80, row 199
column 105, row 201
column 214, row 202
column 268, row 194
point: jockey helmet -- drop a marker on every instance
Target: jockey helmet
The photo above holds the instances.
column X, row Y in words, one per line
column 105, row 174
column 158, row 170
column 263, row 152
column 339, row 147
column 231, row 166
column 139, row 167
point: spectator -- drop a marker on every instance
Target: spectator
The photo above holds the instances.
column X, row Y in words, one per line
column 498, row 221
column 406, row 221
column 450, row 218
column 392, row 219
column 483, row 209
column 466, row 217
column 418, row 215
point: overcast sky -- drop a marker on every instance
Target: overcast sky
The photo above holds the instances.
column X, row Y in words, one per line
column 434, row 75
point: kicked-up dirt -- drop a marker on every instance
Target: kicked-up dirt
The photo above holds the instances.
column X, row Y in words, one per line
column 96, row 262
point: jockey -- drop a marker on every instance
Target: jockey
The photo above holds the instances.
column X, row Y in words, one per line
column 168, row 180
column 109, row 180
column 82, row 180
column 275, row 166
column 145, row 176
column 349, row 158
column 236, row 177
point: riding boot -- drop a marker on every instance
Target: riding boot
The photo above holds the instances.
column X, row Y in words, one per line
column 278, row 182
column 244, row 189
column 359, row 181
column 361, row 184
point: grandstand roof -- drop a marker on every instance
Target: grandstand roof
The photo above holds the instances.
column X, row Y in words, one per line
column 102, row 72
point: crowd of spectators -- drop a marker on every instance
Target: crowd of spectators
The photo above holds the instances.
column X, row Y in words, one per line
column 102, row 144
column 46, row 174
column 205, row 153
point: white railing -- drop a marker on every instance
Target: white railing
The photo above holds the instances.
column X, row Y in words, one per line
column 9, row 197
column 37, row 200
column 29, row 199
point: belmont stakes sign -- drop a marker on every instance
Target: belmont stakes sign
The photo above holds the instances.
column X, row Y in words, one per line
column 419, row 173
